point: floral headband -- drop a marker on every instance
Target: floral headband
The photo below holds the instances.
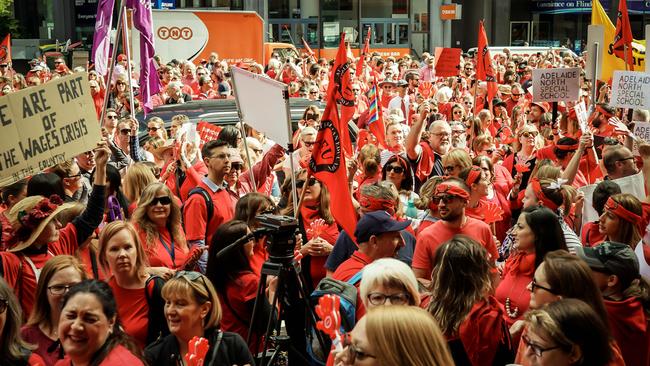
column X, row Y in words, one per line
column 29, row 220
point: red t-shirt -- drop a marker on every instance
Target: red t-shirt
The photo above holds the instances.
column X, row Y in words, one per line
column 196, row 213
column 439, row 232
column 17, row 269
column 164, row 251
column 34, row 335
column 347, row 270
column 260, row 255
column 591, row 235
column 119, row 356
column 133, row 309
column 238, row 293
column 631, row 329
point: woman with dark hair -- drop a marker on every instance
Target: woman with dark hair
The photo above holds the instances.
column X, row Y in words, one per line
column 565, row 333
column 89, row 328
column 470, row 318
column 232, row 135
column 247, row 209
column 536, row 233
column 231, row 273
column 14, row 351
column 9, row 196
column 398, row 171
column 117, row 206
column 45, row 184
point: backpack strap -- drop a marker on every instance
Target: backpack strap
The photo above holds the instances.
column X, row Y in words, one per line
column 356, row 278
column 208, row 203
column 157, row 326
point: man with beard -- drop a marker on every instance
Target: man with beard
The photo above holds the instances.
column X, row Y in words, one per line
column 458, row 135
column 86, row 163
column 451, row 196
column 427, row 155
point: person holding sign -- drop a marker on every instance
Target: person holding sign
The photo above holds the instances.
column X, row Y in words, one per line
column 39, row 236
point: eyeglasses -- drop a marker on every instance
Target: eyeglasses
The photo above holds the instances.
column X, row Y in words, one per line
column 125, row 131
column 236, row 166
column 516, row 95
column 395, row 168
column 89, row 152
column 377, row 298
column 3, row 305
column 354, row 351
column 468, row 103
column 58, row 290
column 449, row 168
column 624, row 159
column 308, row 143
column 58, row 62
column 537, row 350
column 165, row 201
column 154, row 129
column 301, row 183
column 3, row 66
column 111, row 116
column 356, row 90
column 529, row 134
column 74, row 176
column 534, row 286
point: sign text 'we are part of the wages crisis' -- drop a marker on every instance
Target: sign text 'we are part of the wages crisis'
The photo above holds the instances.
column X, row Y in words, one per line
column 630, row 89
column 46, row 125
column 556, row 85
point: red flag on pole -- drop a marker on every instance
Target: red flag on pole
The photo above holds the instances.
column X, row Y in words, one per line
column 623, row 35
column 484, row 69
column 328, row 166
column 307, row 48
column 340, row 90
column 364, row 52
column 5, row 50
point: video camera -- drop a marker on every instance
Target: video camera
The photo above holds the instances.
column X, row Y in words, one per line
column 281, row 231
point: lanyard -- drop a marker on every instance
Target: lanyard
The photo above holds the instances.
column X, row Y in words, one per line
column 170, row 249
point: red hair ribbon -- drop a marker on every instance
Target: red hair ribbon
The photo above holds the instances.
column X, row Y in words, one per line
column 446, row 188
column 539, row 193
column 602, row 111
column 567, row 147
column 473, row 176
column 377, row 204
column 623, row 213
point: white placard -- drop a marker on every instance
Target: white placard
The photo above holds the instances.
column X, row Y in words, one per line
column 633, row 184
column 556, row 85
column 630, row 89
column 642, row 130
column 262, row 104
column 581, row 114
column 595, row 34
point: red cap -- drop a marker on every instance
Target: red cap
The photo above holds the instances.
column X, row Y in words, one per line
column 121, row 57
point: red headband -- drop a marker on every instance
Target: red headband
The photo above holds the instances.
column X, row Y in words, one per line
column 377, row 204
column 539, row 193
column 568, row 147
column 623, row 213
column 602, row 111
column 446, row 188
column 473, row 176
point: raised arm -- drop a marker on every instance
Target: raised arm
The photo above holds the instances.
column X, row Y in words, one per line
column 413, row 149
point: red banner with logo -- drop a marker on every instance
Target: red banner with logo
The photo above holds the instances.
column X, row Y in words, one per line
column 207, row 132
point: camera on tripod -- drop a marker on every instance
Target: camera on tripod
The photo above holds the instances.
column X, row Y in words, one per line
column 282, row 236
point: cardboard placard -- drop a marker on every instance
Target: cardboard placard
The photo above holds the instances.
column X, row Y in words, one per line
column 207, row 132
column 556, row 85
column 642, row 130
column 581, row 115
column 630, row 89
column 46, row 125
column 632, row 184
column 447, row 61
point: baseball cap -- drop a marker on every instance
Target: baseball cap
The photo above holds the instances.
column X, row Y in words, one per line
column 121, row 57
column 375, row 223
column 614, row 258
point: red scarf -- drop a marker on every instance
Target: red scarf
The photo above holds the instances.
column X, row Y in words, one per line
column 520, row 263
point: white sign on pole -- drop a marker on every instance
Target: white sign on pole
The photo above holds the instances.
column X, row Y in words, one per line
column 556, row 85
column 595, row 34
column 642, row 130
column 262, row 104
column 630, row 89
column 647, row 35
column 581, row 114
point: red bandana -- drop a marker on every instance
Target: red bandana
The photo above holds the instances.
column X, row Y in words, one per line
column 446, row 188
column 623, row 213
column 473, row 176
column 377, row 204
column 539, row 193
column 567, row 147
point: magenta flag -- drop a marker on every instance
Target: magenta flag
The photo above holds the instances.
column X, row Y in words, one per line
column 101, row 39
column 143, row 22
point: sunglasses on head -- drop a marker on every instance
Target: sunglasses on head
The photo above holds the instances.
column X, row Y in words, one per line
column 162, row 200
column 301, row 183
column 395, row 168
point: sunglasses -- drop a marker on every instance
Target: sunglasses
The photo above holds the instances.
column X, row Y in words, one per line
column 447, row 198
column 154, row 129
column 529, row 134
column 395, row 168
column 308, row 144
column 74, row 176
column 516, row 95
column 301, row 183
column 120, row 83
column 236, row 166
column 191, row 276
column 111, row 116
column 125, row 131
column 162, row 200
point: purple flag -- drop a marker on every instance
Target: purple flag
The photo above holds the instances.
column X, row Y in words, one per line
column 143, row 22
column 101, row 39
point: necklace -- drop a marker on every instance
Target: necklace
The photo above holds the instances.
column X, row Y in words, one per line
column 511, row 313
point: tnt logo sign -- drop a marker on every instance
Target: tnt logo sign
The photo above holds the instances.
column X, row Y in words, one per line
column 175, row 33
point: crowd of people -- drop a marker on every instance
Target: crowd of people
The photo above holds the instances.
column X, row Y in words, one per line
column 470, row 244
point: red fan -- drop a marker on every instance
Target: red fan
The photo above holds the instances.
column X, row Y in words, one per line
column 522, row 168
column 425, row 89
column 492, row 213
column 330, row 323
column 197, row 349
column 316, row 228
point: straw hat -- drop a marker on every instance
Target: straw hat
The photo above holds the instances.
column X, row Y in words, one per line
column 159, row 150
column 30, row 216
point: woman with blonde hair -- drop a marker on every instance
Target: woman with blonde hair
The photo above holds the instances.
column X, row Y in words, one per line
column 388, row 281
column 192, row 309
column 395, row 335
column 158, row 223
column 139, row 304
column 137, row 178
column 156, row 128
column 57, row 276
column 455, row 161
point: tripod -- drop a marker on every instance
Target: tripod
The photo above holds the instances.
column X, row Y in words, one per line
column 290, row 293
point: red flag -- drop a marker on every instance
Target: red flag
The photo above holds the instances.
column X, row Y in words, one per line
column 623, row 35
column 328, row 166
column 5, row 50
column 484, row 69
column 307, row 48
column 364, row 52
column 340, row 90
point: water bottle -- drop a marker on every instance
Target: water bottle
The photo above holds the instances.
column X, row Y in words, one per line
column 411, row 211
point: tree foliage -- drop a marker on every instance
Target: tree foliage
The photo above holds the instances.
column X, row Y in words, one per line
column 8, row 23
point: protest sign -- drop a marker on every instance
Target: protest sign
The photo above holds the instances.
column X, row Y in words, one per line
column 633, row 184
column 46, row 125
column 447, row 61
column 630, row 89
column 556, row 85
column 642, row 130
column 207, row 132
column 581, row 115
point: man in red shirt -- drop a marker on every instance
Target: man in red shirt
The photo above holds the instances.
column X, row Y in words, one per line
column 199, row 228
column 452, row 196
column 427, row 155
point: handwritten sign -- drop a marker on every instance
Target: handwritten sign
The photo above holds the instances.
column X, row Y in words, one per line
column 207, row 132
column 581, row 115
column 447, row 61
column 642, row 130
column 556, row 85
column 45, row 125
column 630, row 90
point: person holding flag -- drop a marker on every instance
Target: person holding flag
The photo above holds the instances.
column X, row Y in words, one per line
column 484, row 68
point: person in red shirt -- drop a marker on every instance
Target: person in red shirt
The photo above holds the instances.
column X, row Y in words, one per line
column 199, row 228
column 452, row 196
column 591, row 234
column 615, row 269
column 206, row 89
column 122, row 255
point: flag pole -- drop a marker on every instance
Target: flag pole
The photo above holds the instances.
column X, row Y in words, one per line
column 112, row 63
column 127, row 49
